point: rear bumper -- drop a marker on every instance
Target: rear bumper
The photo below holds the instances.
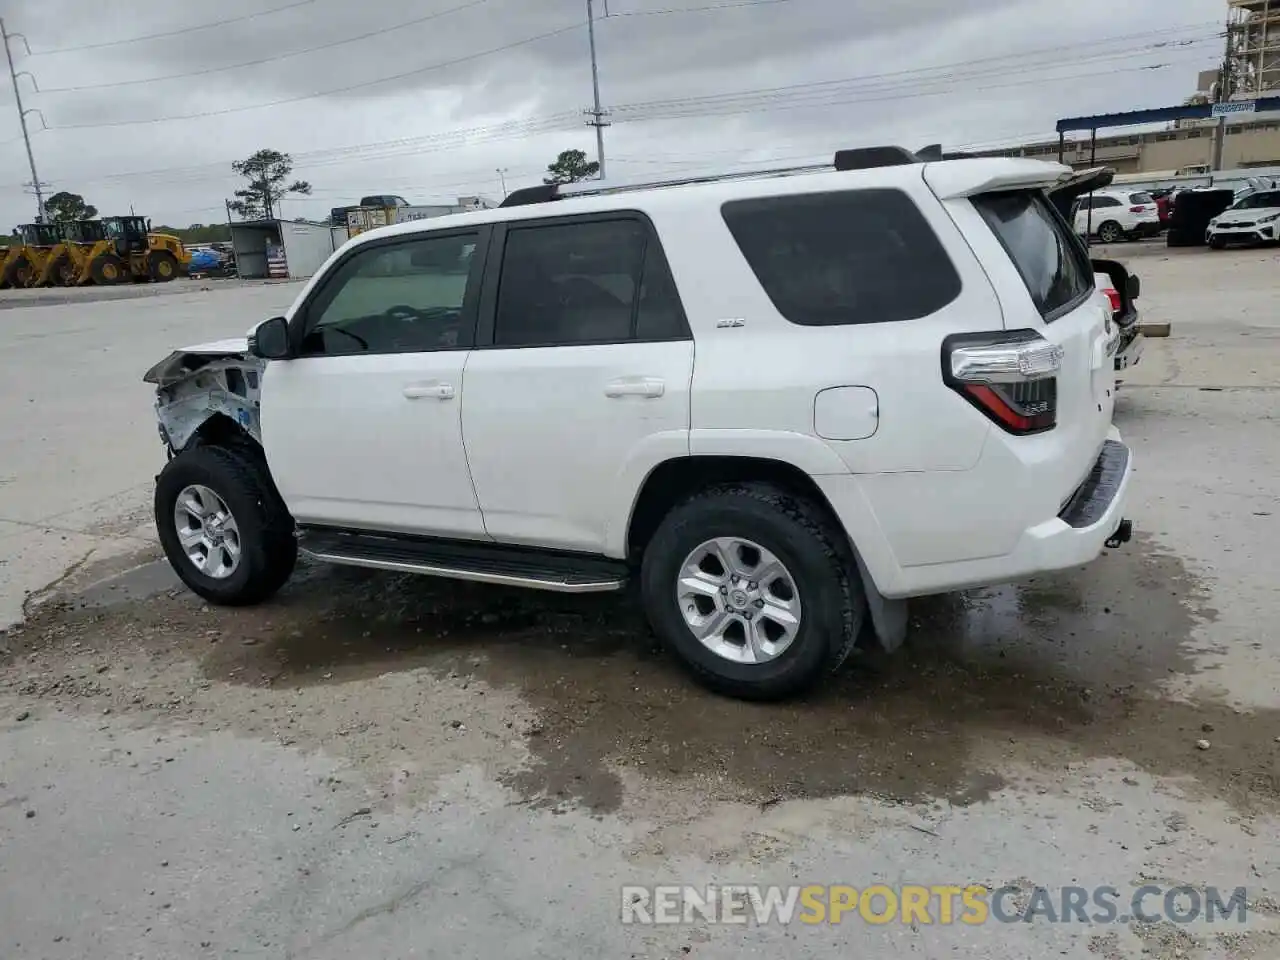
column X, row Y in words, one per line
column 1073, row 537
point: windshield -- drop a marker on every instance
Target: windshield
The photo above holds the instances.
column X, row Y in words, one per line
column 1267, row 198
column 1141, row 198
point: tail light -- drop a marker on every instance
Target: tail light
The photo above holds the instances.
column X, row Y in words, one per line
column 1010, row 376
column 1113, row 295
column 1138, row 209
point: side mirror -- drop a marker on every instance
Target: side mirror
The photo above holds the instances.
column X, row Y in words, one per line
column 270, row 339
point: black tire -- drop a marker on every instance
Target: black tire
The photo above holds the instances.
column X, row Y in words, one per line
column 1110, row 232
column 815, row 553
column 268, row 548
column 1216, row 244
column 64, row 272
column 19, row 273
column 163, row 266
column 109, row 269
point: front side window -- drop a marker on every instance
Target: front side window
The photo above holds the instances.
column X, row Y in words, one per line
column 594, row 281
column 858, row 256
column 398, row 298
column 1052, row 263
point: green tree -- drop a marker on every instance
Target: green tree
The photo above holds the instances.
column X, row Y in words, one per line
column 570, row 167
column 64, row 206
column 268, row 174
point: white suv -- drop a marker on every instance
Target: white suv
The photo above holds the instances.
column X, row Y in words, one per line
column 1117, row 215
column 783, row 402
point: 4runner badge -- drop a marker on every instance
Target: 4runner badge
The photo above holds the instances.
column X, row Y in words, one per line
column 731, row 322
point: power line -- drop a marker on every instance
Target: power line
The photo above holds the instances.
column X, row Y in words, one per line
column 175, row 33
column 677, row 10
column 272, row 59
column 326, row 93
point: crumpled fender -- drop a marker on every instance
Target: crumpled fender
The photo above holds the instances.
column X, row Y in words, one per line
column 200, row 382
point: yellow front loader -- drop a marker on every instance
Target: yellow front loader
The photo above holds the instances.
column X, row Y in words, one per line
column 132, row 252
column 25, row 262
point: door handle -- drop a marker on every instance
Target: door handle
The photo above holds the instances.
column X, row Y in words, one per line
column 427, row 391
column 635, row 387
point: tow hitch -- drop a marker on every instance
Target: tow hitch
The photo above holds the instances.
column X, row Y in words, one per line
column 1123, row 534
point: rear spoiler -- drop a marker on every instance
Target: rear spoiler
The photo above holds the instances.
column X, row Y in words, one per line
column 966, row 178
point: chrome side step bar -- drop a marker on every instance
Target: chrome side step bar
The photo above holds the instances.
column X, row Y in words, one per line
column 557, row 571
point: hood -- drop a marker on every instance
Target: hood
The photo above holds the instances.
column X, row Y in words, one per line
column 181, row 363
column 1250, row 215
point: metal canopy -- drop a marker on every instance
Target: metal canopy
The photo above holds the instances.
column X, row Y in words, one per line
column 1132, row 118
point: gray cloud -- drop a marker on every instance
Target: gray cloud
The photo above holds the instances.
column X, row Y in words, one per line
column 524, row 103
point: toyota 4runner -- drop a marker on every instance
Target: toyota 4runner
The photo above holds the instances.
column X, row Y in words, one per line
column 781, row 402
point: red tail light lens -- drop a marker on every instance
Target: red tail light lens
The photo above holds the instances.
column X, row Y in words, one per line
column 1011, row 377
column 1138, row 209
column 1114, row 297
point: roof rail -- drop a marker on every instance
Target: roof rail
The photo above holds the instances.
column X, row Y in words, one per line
column 863, row 158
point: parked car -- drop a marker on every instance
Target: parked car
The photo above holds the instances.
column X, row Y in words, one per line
column 782, row 404
column 1253, row 220
column 1112, row 216
column 1193, row 208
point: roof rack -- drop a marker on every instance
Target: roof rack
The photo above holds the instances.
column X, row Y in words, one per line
column 862, row 158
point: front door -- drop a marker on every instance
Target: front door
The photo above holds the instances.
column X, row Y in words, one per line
column 362, row 429
column 579, row 384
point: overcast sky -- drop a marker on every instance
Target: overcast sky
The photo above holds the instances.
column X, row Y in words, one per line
column 429, row 98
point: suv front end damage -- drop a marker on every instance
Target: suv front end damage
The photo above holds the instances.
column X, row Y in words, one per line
column 196, row 384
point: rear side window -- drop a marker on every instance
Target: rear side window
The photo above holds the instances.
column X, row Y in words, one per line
column 857, row 256
column 1052, row 262
column 596, row 281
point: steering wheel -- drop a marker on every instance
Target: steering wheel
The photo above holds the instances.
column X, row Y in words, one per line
column 402, row 311
column 364, row 344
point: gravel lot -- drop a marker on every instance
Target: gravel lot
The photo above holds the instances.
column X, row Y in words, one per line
column 378, row 766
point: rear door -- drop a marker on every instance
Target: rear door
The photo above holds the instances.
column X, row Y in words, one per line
column 580, row 380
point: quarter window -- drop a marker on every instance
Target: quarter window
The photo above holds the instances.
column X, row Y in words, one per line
column 859, row 256
column 401, row 298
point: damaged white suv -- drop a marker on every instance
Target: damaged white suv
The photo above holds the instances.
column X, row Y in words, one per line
column 782, row 402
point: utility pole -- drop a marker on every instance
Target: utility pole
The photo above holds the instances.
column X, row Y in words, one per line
column 1224, row 82
column 22, row 117
column 596, row 114
column 502, row 179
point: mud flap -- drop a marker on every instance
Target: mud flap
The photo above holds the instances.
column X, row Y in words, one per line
column 888, row 617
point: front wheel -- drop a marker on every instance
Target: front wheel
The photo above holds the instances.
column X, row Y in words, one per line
column 1110, row 232
column 163, row 266
column 224, row 529
column 753, row 589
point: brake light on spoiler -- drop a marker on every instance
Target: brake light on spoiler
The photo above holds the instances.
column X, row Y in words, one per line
column 1010, row 376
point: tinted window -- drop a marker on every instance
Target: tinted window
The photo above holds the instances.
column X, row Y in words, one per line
column 598, row 281
column 1141, row 198
column 859, row 256
column 1051, row 262
column 1105, row 202
column 402, row 298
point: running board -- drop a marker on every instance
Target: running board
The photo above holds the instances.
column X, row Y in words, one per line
column 511, row 566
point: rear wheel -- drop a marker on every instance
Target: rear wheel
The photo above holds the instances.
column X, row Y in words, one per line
column 17, row 273
column 108, row 269
column 752, row 589
column 224, row 529
column 163, row 266
column 1110, row 232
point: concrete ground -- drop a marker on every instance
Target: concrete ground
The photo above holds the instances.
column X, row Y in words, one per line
column 378, row 766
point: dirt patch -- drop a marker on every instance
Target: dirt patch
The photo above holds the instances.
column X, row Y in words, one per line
column 563, row 696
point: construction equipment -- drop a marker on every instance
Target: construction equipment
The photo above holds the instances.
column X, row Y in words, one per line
column 24, row 262
column 85, row 241
column 131, row 252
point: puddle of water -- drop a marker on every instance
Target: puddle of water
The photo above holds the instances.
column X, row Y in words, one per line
column 1070, row 660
